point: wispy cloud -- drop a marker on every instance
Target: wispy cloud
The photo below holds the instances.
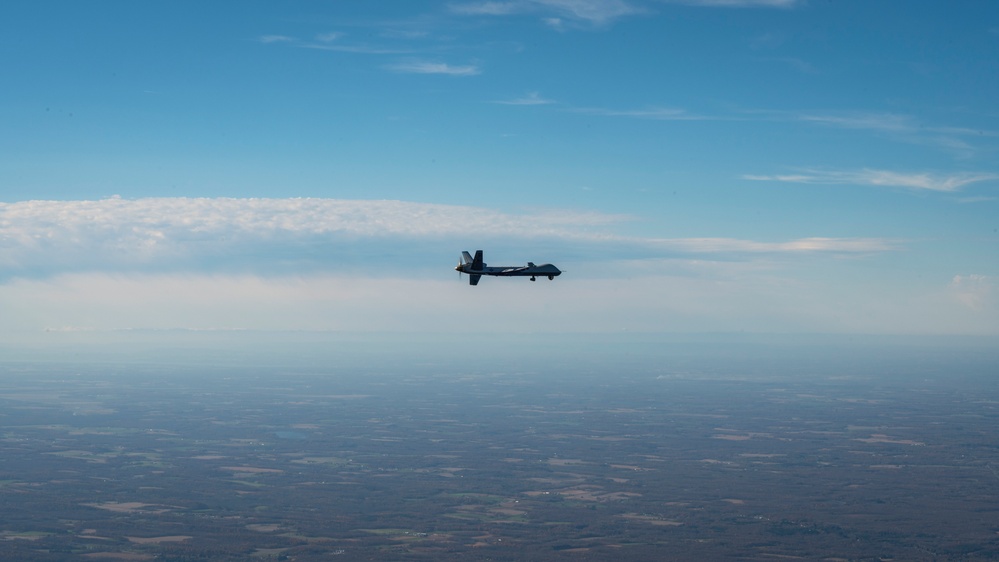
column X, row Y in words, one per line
column 359, row 49
column 428, row 67
column 328, row 37
column 332, row 41
column 980, row 199
column 595, row 11
column 803, row 245
column 739, row 3
column 533, row 98
column 794, row 63
column 653, row 113
column 881, row 178
column 905, row 128
column 489, row 8
column 883, row 122
column 39, row 238
column 556, row 13
column 276, row 39
column 560, row 13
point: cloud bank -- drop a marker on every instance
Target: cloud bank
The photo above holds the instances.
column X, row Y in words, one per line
column 254, row 234
column 328, row 264
column 39, row 238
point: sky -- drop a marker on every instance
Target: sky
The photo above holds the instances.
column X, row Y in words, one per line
column 694, row 166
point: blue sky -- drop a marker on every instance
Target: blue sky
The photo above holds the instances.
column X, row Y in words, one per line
column 707, row 166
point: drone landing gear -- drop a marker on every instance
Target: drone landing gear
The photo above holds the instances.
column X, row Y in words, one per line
column 533, row 278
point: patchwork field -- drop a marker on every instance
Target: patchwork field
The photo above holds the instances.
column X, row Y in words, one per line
column 425, row 466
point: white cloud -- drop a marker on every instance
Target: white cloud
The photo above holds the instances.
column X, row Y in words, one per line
column 903, row 128
column 558, row 24
column 653, row 113
column 881, row 178
column 356, row 49
column 146, row 217
column 427, row 67
column 557, row 13
column 532, row 98
column 594, row 12
column 488, row 8
column 974, row 291
column 332, row 42
column 277, row 264
column 184, row 232
column 884, row 122
column 803, row 245
column 739, row 3
column 99, row 301
column 691, row 297
column 981, row 199
column 328, row 37
column 283, row 236
column 276, row 39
